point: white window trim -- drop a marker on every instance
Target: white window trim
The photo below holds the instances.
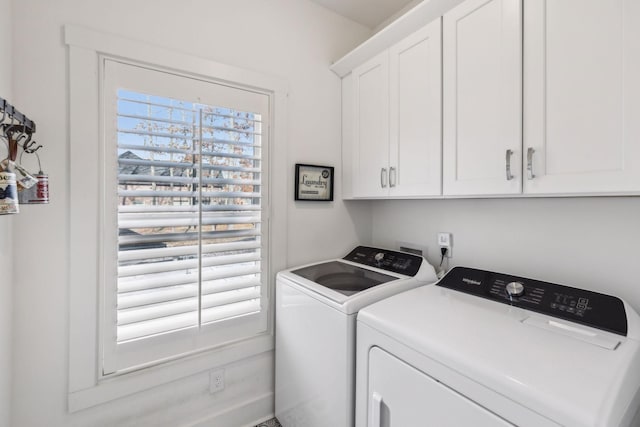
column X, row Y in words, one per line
column 86, row 47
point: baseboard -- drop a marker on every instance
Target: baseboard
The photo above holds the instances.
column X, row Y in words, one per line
column 246, row 414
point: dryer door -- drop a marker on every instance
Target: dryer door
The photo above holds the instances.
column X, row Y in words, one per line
column 402, row 396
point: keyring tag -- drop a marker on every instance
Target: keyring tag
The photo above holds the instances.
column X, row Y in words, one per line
column 8, row 193
column 24, row 178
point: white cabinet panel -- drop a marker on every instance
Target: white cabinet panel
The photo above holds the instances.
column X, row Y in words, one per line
column 482, row 103
column 371, row 130
column 401, row 396
column 581, row 91
column 415, row 114
column 347, row 136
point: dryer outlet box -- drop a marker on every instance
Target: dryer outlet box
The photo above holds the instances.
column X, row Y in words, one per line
column 412, row 248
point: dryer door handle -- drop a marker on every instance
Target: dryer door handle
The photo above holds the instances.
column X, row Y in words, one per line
column 376, row 410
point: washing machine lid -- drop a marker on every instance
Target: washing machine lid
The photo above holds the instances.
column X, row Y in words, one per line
column 568, row 372
column 362, row 277
column 341, row 277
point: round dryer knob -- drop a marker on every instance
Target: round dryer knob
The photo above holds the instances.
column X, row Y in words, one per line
column 515, row 289
column 378, row 257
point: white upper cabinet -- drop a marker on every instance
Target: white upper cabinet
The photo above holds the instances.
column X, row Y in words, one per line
column 482, row 105
column 415, row 139
column 498, row 98
column 371, row 127
column 396, row 133
column 581, row 96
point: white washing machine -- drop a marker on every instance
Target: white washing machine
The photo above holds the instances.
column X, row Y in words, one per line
column 316, row 307
column 488, row 349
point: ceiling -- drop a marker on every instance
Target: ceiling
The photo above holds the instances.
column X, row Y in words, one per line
column 370, row 13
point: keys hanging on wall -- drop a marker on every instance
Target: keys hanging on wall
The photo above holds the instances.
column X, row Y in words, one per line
column 16, row 132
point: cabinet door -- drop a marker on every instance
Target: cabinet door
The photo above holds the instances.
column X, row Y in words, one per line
column 401, row 396
column 371, row 127
column 415, row 137
column 482, row 105
column 581, row 96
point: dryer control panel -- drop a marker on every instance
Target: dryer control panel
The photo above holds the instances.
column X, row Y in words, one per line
column 397, row 262
column 589, row 308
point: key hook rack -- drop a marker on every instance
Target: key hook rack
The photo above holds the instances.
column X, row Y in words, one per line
column 17, row 185
column 18, row 128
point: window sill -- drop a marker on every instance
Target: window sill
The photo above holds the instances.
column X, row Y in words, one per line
column 118, row 386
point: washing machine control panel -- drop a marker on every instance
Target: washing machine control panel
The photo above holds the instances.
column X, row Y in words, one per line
column 397, row 262
column 578, row 305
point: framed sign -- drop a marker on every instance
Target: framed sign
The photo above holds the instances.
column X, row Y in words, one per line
column 314, row 183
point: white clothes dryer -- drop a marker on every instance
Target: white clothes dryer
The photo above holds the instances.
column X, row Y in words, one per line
column 488, row 349
column 316, row 308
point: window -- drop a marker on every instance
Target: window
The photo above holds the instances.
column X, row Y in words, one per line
column 103, row 67
column 185, row 193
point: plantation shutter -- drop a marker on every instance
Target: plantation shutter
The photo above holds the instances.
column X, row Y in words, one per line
column 189, row 218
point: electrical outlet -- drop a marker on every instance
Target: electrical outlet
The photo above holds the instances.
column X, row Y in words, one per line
column 445, row 240
column 216, row 381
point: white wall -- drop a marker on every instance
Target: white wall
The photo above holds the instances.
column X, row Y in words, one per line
column 293, row 39
column 589, row 243
column 6, row 255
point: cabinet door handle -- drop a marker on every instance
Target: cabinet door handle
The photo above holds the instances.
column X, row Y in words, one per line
column 376, row 410
column 383, row 177
column 392, row 176
column 530, row 152
column 508, row 161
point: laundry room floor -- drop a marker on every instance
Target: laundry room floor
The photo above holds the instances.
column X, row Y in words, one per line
column 270, row 423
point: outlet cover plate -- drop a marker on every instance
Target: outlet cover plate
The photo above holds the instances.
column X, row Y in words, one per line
column 216, row 381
